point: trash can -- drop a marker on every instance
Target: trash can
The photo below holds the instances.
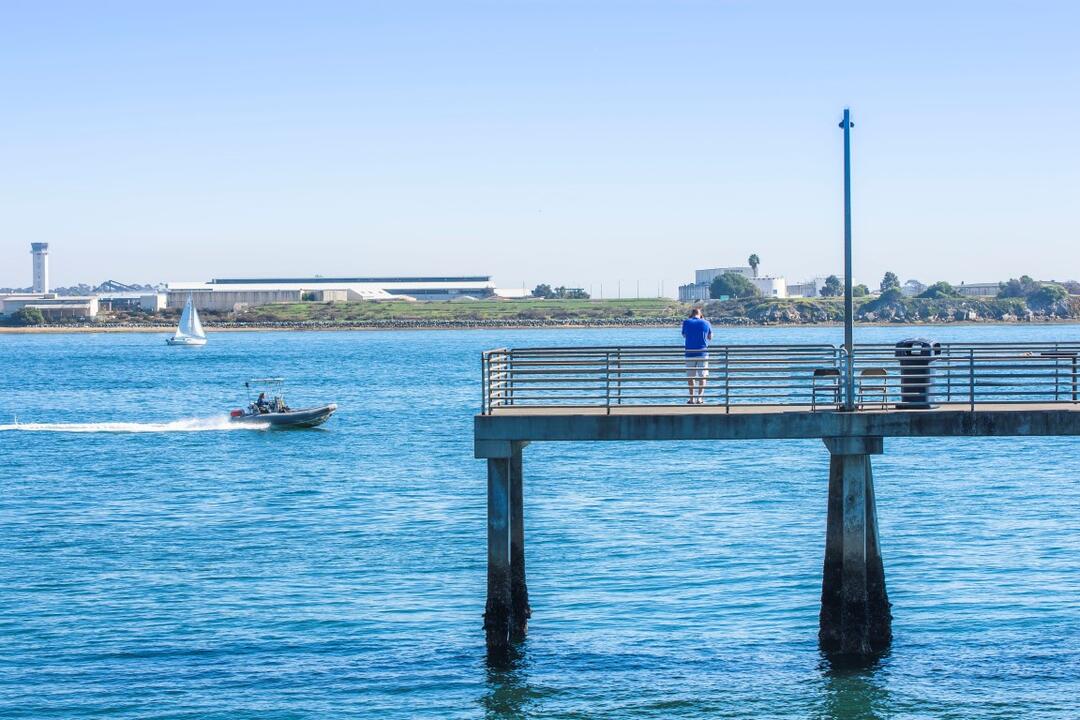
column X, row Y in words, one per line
column 916, row 375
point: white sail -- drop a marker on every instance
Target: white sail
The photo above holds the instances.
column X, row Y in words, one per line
column 189, row 326
column 196, row 326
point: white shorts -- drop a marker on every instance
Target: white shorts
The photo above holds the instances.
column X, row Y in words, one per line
column 697, row 368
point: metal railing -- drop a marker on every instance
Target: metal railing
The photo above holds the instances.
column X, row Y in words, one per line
column 788, row 375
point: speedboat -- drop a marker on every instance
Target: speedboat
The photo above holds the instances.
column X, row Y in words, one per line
column 189, row 333
column 302, row 418
column 269, row 408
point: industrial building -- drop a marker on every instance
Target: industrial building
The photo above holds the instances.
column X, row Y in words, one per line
column 230, row 294
column 698, row 291
column 144, row 302
column 52, row 306
column 979, row 290
column 806, row 289
column 706, row 276
column 768, row 285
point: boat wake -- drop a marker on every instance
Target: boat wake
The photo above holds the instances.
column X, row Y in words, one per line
column 213, row 424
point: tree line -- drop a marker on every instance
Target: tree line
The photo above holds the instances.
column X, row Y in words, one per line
column 733, row 285
column 560, row 293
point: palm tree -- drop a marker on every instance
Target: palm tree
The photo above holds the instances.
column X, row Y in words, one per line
column 754, row 261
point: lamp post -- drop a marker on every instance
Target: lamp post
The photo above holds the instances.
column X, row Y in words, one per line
column 849, row 365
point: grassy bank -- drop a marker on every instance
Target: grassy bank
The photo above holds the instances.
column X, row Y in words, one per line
column 475, row 311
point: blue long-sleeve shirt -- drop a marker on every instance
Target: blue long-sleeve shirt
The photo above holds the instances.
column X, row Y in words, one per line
column 697, row 333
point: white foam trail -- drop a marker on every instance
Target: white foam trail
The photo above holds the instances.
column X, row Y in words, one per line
column 185, row 425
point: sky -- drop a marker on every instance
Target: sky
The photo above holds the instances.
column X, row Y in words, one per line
column 595, row 144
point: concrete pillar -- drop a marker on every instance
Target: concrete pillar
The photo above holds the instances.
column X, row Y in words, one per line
column 498, row 612
column 506, row 616
column 519, row 591
column 855, row 616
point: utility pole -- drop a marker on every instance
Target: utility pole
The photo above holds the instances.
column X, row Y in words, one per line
column 849, row 321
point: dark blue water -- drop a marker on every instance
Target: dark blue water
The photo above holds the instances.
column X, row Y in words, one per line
column 166, row 567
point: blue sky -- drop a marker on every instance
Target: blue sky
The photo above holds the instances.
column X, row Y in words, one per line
column 577, row 143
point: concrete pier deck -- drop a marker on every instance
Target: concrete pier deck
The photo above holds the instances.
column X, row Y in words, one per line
column 768, row 422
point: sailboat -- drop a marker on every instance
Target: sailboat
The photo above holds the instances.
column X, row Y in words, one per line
column 189, row 333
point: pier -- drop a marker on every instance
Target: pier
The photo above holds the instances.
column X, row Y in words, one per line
column 851, row 399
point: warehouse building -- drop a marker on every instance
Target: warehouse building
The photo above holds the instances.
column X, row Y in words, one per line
column 145, row 302
column 52, row 306
column 229, row 294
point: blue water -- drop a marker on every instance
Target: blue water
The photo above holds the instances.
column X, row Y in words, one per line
column 164, row 566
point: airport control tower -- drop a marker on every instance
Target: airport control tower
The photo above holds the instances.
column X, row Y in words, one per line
column 40, row 251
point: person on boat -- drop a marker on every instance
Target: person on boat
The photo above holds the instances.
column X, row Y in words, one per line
column 261, row 404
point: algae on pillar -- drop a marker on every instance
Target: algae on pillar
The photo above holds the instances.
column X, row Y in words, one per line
column 855, row 615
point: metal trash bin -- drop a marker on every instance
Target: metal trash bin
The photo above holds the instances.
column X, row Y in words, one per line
column 916, row 375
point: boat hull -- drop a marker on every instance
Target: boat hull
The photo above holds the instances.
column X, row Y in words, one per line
column 303, row 418
column 185, row 342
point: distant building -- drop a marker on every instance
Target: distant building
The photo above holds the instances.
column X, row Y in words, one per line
column 775, row 287
column 706, row 276
column 698, row 291
column 147, row 302
column 40, row 251
column 228, row 294
column 693, row 292
column 979, row 290
column 807, row 289
column 52, row 306
column 512, row 293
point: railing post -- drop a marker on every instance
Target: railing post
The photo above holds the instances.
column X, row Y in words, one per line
column 1057, row 373
column 948, row 373
column 607, row 382
column 971, row 377
column 727, row 384
column 843, row 363
column 1074, row 378
column 618, row 377
column 484, row 383
column 509, row 380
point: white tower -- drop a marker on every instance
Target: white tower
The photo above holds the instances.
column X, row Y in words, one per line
column 40, row 251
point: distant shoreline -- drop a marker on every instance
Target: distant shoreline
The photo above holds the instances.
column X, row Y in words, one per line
column 480, row 325
column 540, row 313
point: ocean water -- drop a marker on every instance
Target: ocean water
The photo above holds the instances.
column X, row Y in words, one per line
column 157, row 563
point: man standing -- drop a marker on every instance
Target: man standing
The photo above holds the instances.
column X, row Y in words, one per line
column 697, row 332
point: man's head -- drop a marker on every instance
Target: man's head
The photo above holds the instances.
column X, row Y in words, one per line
column 695, row 313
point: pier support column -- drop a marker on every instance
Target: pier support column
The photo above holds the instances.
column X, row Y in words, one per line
column 519, row 591
column 855, row 616
column 506, row 615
